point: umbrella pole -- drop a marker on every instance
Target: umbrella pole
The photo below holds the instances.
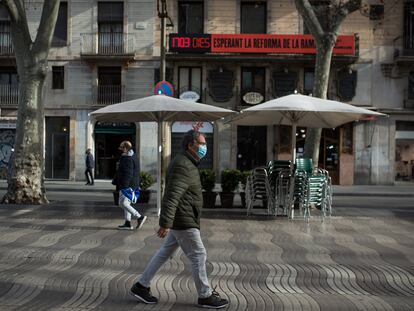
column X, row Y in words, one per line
column 293, row 147
column 159, row 149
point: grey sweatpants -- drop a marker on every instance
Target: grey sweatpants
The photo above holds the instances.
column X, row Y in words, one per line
column 190, row 242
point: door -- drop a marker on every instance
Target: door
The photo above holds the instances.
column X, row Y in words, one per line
column 108, row 136
column 57, row 148
column 109, row 85
column 251, row 147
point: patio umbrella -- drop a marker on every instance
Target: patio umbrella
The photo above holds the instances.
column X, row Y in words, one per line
column 159, row 108
column 302, row 110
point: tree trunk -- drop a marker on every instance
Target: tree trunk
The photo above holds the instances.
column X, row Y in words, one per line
column 320, row 89
column 26, row 181
column 26, row 185
column 325, row 35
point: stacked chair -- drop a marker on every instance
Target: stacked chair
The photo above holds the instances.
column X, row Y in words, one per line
column 281, row 175
column 312, row 187
column 283, row 186
column 258, row 188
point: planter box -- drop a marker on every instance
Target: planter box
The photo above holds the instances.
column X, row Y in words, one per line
column 209, row 199
column 226, row 199
column 144, row 196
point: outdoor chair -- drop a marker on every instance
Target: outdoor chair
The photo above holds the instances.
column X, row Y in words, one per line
column 281, row 177
column 313, row 187
column 258, row 189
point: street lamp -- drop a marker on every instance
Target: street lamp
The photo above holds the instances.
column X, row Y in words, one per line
column 163, row 14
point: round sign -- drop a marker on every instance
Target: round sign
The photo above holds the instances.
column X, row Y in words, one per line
column 190, row 96
column 253, row 98
column 164, row 88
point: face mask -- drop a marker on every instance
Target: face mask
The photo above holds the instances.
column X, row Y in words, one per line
column 202, row 151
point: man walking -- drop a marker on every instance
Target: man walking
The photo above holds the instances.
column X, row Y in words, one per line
column 180, row 224
column 127, row 182
column 90, row 165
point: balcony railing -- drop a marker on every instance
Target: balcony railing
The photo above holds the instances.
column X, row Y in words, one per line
column 6, row 46
column 104, row 95
column 107, row 43
column 9, row 94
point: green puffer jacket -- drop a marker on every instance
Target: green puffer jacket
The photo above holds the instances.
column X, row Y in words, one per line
column 183, row 199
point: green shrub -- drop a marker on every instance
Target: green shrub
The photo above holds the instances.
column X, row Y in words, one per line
column 208, row 179
column 243, row 177
column 145, row 180
column 229, row 180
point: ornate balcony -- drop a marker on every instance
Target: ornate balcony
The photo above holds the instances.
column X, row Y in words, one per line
column 107, row 46
column 103, row 95
column 9, row 95
column 6, row 46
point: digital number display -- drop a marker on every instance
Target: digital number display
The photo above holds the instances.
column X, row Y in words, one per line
column 255, row 43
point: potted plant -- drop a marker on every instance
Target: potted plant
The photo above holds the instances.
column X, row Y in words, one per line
column 145, row 181
column 229, row 182
column 208, row 182
column 243, row 180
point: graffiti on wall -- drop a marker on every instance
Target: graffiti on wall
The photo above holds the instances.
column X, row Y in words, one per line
column 6, row 145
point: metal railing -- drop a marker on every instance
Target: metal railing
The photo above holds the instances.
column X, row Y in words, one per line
column 9, row 94
column 104, row 95
column 6, row 45
column 107, row 43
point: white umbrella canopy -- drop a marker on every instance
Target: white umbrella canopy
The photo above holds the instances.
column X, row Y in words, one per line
column 159, row 108
column 304, row 111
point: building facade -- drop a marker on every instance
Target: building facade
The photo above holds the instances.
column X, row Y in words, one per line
column 229, row 54
column 105, row 52
column 102, row 53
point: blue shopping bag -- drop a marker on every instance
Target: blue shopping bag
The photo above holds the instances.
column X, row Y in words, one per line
column 131, row 194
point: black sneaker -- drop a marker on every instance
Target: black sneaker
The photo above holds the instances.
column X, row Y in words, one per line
column 143, row 294
column 213, row 302
column 140, row 221
column 126, row 226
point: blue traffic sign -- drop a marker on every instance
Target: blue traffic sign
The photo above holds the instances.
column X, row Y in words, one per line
column 164, row 88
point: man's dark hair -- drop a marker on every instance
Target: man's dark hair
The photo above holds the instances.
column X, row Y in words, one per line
column 190, row 137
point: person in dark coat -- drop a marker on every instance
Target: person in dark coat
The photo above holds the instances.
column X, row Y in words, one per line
column 90, row 165
column 180, row 224
column 127, row 183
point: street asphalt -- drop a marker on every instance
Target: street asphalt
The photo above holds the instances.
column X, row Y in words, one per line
column 68, row 255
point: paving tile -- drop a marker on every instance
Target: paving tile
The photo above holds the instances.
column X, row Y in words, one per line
column 69, row 256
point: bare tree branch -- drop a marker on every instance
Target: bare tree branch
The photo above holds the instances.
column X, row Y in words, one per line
column 343, row 10
column 18, row 18
column 309, row 17
column 46, row 27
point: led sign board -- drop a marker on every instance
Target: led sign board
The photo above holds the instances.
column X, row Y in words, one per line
column 255, row 43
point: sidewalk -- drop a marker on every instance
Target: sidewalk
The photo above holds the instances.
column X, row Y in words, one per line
column 397, row 190
column 68, row 255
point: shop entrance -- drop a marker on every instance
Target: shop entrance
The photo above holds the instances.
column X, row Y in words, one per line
column 57, row 148
column 328, row 150
column 108, row 136
column 251, row 147
column 404, row 151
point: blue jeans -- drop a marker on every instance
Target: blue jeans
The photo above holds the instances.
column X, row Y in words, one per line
column 129, row 211
column 190, row 242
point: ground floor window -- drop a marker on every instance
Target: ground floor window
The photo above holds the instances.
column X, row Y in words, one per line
column 57, row 147
column 108, row 136
column 178, row 129
column 329, row 148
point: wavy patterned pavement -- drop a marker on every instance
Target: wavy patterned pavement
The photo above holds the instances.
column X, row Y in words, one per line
column 69, row 256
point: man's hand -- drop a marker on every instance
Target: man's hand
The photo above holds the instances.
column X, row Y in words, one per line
column 162, row 232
